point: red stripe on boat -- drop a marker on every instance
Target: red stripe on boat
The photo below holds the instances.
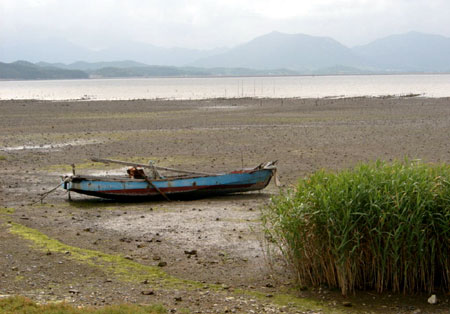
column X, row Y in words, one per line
column 170, row 190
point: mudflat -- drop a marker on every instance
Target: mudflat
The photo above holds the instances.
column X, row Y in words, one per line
column 203, row 255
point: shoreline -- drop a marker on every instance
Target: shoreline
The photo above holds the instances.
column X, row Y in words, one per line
column 432, row 86
column 387, row 96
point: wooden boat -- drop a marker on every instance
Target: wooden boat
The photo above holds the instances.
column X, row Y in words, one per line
column 137, row 184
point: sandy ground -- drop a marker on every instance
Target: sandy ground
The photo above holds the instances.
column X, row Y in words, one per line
column 212, row 249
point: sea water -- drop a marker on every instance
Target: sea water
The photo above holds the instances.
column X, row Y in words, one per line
column 428, row 85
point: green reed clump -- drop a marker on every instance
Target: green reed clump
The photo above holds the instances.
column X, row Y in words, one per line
column 383, row 226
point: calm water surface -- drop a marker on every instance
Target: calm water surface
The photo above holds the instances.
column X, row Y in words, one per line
column 435, row 85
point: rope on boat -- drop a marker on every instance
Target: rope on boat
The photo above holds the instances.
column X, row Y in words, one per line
column 45, row 194
column 276, row 179
column 271, row 166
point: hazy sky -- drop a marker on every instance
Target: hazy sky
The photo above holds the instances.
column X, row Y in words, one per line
column 215, row 23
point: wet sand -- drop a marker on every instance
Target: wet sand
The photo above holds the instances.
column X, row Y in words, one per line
column 40, row 139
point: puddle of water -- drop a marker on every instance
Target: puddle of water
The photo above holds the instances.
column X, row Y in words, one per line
column 49, row 147
column 222, row 107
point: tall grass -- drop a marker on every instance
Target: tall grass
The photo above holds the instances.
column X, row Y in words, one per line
column 383, row 226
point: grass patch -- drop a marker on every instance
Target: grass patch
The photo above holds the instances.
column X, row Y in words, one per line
column 2, row 158
column 19, row 278
column 130, row 271
column 383, row 226
column 124, row 269
column 19, row 304
column 154, row 115
column 283, row 299
column 6, row 210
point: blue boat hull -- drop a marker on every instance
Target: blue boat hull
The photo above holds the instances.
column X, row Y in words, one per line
column 119, row 188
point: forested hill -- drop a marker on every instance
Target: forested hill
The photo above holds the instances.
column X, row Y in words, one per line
column 23, row 70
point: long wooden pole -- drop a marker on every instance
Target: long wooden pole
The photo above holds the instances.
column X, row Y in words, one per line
column 156, row 188
column 148, row 166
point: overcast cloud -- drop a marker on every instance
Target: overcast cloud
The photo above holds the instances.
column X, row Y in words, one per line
column 208, row 24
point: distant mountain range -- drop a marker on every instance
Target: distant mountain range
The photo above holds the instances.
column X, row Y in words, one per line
column 410, row 52
column 92, row 66
column 271, row 54
column 58, row 50
column 298, row 52
column 22, row 70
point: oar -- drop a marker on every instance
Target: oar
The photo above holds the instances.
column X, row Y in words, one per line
column 149, row 166
column 156, row 188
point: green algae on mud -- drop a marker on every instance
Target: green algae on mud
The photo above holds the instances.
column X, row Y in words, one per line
column 130, row 271
column 6, row 210
column 283, row 299
column 20, row 304
column 122, row 268
column 122, row 115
